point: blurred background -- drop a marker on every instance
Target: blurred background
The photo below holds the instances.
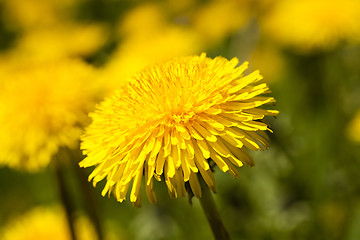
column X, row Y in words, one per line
column 59, row 58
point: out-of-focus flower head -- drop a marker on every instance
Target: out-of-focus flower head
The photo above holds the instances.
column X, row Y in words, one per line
column 136, row 53
column 218, row 19
column 43, row 106
column 142, row 21
column 313, row 25
column 28, row 14
column 147, row 38
column 353, row 129
column 170, row 120
column 59, row 41
column 44, row 223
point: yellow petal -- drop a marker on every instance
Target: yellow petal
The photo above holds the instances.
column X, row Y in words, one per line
column 195, row 185
column 252, row 77
column 220, row 148
column 178, row 181
column 190, row 148
column 171, row 188
column 185, row 166
column 204, row 148
column 135, row 191
column 170, row 166
column 160, row 161
column 204, row 133
column 194, row 133
column 190, row 161
column 200, row 161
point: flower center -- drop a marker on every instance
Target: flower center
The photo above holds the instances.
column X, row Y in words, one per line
column 179, row 117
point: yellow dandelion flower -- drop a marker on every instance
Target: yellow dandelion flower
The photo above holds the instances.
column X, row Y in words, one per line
column 54, row 43
column 44, row 223
column 172, row 120
column 135, row 53
column 143, row 21
column 218, row 19
column 311, row 25
column 36, row 13
column 43, row 107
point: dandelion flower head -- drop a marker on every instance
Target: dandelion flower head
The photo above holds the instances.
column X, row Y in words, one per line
column 43, row 106
column 170, row 120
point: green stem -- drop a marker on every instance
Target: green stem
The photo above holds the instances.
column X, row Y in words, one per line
column 212, row 214
column 65, row 198
column 89, row 199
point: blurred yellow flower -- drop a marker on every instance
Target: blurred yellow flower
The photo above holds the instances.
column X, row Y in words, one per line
column 137, row 52
column 29, row 14
column 43, row 107
column 71, row 40
column 143, row 21
column 353, row 129
column 43, row 223
column 147, row 37
column 311, row 25
column 170, row 120
column 218, row 19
